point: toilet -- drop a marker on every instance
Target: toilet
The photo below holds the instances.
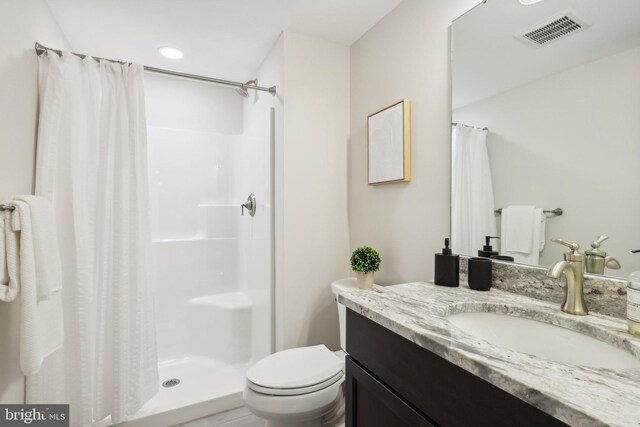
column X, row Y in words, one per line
column 301, row 386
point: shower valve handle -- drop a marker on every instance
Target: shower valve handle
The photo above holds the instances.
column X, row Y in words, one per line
column 249, row 205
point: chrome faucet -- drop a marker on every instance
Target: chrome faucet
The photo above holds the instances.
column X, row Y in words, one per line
column 573, row 269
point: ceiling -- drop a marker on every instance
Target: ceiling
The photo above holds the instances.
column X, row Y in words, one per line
column 225, row 39
column 488, row 59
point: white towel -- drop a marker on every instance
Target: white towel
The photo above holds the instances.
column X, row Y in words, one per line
column 537, row 230
column 41, row 325
column 9, row 278
column 517, row 229
column 45, row 246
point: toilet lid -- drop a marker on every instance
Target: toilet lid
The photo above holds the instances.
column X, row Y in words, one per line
column 296, row 368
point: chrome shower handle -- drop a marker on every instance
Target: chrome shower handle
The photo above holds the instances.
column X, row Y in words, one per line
column 250, row 205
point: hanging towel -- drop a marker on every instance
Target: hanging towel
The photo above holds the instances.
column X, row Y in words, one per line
column 517, row 229
column 45, row 246
column 514, row 234
column 8, row 265
column 41, row 325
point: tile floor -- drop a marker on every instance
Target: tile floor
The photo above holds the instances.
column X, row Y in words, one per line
column 239, row 417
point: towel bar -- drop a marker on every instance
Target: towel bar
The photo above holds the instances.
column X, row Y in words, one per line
column 556, row 211
column 5, row 207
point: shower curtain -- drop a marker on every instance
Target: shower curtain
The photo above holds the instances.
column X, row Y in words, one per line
column 472, row 215
column 91, row 163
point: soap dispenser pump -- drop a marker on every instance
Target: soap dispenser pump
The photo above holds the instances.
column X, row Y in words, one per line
column 447, row 267
column 487, row 250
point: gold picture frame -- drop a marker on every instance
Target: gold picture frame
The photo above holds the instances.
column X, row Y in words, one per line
column 389, row 144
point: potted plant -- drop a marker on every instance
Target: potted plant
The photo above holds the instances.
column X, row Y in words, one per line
column 365, row 261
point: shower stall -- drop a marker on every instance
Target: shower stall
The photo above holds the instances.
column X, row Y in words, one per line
column 212, row 259
column 210, row 164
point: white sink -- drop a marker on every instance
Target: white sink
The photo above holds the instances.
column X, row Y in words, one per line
column 543, row 340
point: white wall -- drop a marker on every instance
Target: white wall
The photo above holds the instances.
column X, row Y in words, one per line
column 22, row 23
column 188, row 104
column 315, row 236
column 571, row 141
column 192, row 139
column 405, row 55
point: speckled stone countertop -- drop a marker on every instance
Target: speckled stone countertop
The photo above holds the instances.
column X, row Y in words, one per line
column 576, row 395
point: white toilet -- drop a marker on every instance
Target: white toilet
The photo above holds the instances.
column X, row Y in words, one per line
column 301, row 386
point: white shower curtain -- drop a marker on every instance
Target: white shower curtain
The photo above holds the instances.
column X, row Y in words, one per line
column 472, row 207
column 91, row 163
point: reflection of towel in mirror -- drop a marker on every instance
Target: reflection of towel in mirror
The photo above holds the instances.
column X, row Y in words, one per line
column 523, row 233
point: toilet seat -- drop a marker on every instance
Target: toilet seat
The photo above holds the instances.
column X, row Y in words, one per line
column 295, row 391
column 296, row 371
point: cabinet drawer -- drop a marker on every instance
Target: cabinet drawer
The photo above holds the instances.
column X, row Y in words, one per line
column 444, row 392
column 371, row 404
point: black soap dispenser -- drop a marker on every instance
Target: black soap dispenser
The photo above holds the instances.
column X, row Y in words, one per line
column 487, row 250
column 447, row 271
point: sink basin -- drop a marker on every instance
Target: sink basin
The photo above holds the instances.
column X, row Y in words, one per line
column 543, row 340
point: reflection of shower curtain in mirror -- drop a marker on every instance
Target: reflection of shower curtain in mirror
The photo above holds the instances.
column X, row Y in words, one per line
column 472, row 215
column 92, row 165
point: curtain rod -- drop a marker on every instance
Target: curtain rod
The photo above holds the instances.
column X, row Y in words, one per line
column 468, row 126
column 40, row 49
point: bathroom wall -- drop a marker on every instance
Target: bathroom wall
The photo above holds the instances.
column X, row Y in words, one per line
column 405, row 55
column 188, row 121
column 315, row 243
column 553, row 143
column 188, row 104
column 22, row 23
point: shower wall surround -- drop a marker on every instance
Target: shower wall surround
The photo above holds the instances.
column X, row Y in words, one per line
column 604, row 295
column 212, row 265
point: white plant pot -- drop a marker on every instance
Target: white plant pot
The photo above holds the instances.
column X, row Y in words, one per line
column 365, row 280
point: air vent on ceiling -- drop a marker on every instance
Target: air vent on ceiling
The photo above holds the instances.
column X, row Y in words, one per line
column 553, row 29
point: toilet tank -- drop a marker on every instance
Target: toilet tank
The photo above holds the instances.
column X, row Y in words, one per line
column 338, row 287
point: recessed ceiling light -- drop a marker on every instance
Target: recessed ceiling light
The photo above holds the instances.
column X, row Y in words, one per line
column 171, row 53
column 529, row 2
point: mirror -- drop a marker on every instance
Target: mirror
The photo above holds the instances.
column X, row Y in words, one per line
column 546, row 112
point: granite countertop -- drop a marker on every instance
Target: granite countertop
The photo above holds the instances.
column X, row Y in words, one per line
column 577, row 395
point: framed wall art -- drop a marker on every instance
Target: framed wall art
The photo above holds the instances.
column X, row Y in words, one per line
column 389, row 144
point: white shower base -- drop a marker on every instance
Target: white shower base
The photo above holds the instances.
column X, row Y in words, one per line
column 206, row 387
column 208, row 351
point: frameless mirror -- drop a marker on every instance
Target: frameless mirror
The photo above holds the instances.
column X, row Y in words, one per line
column 546, row 112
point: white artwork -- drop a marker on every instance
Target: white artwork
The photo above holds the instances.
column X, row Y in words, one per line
column 389, row 144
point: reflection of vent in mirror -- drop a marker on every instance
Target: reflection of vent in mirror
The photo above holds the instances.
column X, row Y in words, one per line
column 553, row 29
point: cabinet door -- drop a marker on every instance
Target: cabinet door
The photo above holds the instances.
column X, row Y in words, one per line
column 371, row 404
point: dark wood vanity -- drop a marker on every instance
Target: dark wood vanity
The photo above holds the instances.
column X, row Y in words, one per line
column 392, row 381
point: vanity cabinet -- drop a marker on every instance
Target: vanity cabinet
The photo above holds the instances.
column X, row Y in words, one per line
column 391, row 381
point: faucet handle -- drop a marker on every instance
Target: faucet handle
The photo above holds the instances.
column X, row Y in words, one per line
column 596, row 243
column 573, row 246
